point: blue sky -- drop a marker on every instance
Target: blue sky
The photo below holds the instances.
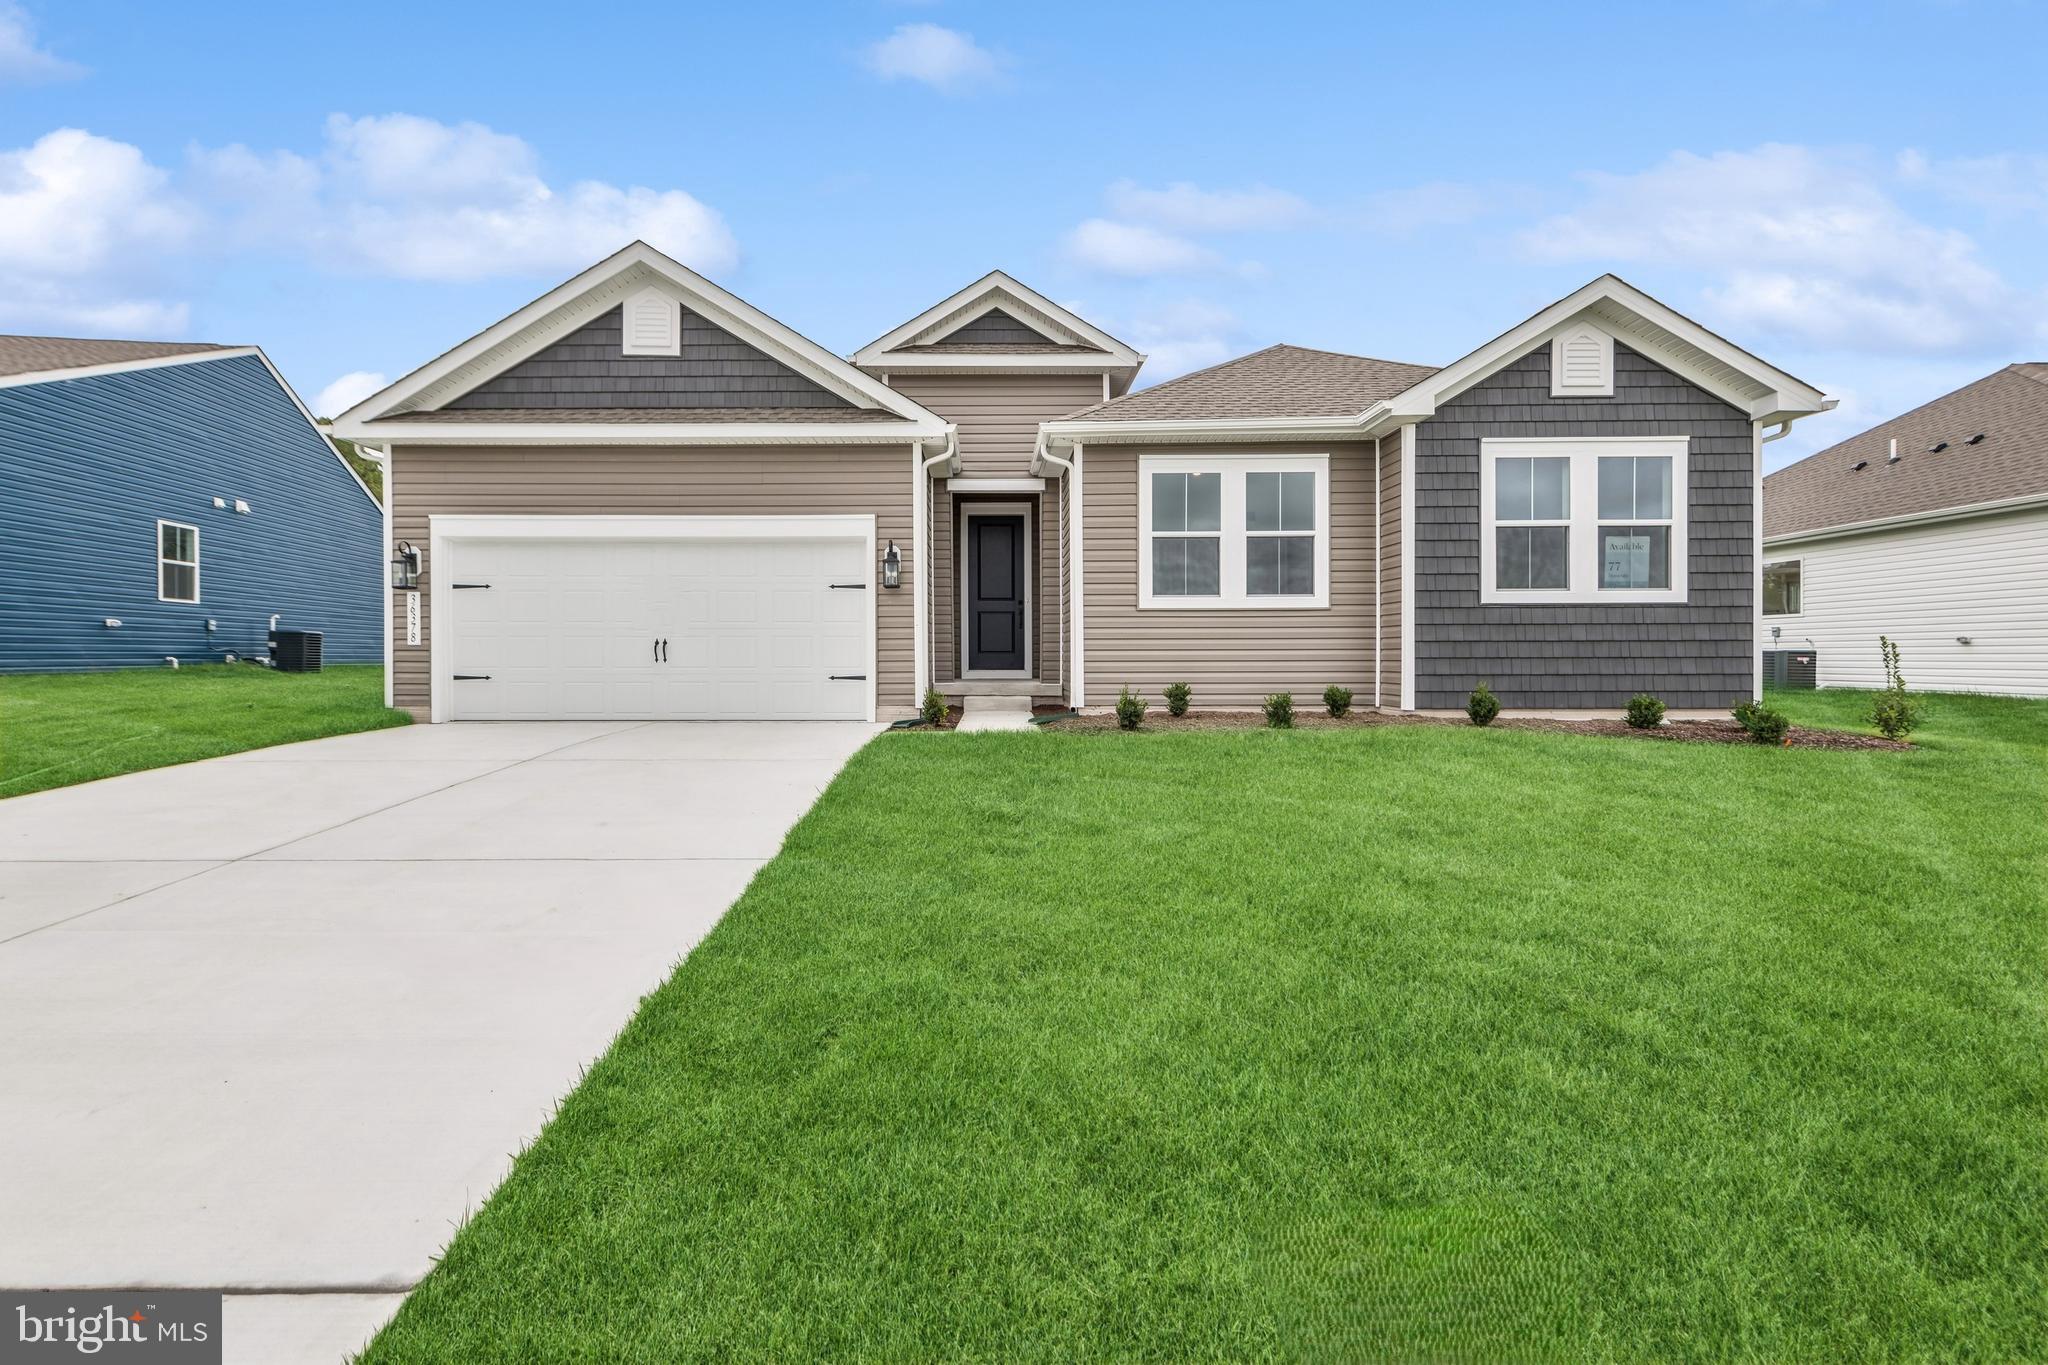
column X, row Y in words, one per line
column 1858, row 192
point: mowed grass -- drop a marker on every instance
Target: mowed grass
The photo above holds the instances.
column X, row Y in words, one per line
column 1400, row 1043
column 61, row 728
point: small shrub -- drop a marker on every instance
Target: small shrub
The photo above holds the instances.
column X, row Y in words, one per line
column 1177, row 697
column 1130, row 709
column 1645, row 712
column 1280, row 710
column 933, row 711
column 1765, row 724
column 1337, row 700
column 1895, row 712
column 1482, row 706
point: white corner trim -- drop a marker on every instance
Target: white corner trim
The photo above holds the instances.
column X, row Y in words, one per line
column 1232, row 533
column 651, row 323
column 1756, row 558
column 1080, row 557
column 1582, row 568
column 1582, row 362
column 390, row 646
column 1378, row 568
column 1408, row 443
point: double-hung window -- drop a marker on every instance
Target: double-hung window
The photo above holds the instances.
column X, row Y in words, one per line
column 1582, row 519
column 1243, row 531
column 177, row 562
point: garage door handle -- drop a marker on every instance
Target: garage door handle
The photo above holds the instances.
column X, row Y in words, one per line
column 664, row 649
column 460, row 586
column 846, row 585
column 848, row 677
column 472, row 677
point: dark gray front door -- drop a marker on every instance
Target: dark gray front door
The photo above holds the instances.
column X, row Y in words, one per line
column 995, row 594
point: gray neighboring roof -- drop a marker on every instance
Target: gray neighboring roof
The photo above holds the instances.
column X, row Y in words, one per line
column 1280, row 381
column 2009, row 406
column 645, row 415
column 28, row 355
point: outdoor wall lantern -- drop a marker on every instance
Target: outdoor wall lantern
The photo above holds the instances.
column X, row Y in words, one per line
column 892, row 567
column 405, row 565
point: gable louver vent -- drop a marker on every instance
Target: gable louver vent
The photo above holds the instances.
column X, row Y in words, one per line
column 653, row 324
column 1582, row 363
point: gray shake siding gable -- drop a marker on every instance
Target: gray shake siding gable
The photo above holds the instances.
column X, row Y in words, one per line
column 1696, row 654
column 586, row 369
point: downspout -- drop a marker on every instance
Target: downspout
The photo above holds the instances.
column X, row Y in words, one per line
column 921, row 541
column 1041, row 457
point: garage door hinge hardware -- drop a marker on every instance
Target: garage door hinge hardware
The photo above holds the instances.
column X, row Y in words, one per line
column 846, row 585
column 472, row 677
column 848, row 677
column 472, row 585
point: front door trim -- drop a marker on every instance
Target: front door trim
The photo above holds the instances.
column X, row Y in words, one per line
column 969, row 511
column 446, row 532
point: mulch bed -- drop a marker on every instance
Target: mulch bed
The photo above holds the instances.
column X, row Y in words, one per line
column 1158, row 721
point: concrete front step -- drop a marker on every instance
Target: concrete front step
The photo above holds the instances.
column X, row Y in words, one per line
column 996, row 713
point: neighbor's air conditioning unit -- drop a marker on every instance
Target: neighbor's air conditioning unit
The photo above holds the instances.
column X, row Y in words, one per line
column 295, row 651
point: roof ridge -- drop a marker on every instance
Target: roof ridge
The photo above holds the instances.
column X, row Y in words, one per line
column 1350, row 355
column 2025, row 369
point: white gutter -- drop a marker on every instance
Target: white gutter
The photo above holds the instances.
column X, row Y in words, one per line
column 1939, row 514
column 1070, row 491
column 921, row 548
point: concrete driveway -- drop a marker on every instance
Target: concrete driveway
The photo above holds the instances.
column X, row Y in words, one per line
column 275, row 1023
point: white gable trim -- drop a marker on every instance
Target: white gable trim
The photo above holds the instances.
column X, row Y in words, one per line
column 570, row 304
column 1674, row 341
column 991, row 291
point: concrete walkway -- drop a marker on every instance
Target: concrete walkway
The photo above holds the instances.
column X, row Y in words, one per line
column 275, row 1023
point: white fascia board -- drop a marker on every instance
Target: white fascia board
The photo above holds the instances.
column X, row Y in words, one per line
column 123, row 366
column 639, row 433
column 994, row 283
column 728, row 310
column 1043, row 362
column 1939, row 514
column 1789, row 395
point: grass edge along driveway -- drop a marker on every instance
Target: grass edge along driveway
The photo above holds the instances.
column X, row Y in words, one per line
column 1395, row 1043
column 57, row 729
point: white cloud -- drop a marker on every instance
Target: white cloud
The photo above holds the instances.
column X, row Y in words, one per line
column 1438, row 203
column 413, row 198
column 944, row 59
column 86, row 225
column 347, row 391
column 21, row 61
column 1185, row 207
column 1182, row 336
column 1806, row 244
column 1134, row 249
column 2009, row 183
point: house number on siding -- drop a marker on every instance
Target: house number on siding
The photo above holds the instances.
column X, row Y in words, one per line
column 412, row 618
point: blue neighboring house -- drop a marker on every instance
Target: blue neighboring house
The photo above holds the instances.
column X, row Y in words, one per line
column 166, row 500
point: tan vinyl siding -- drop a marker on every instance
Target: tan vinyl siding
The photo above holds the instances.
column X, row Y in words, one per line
column 1230, row 657
column 658, row 481
column 1390, row 569
column 998, row 416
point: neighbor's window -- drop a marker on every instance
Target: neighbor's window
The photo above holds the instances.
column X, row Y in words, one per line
column 1635, row 489
column 1234, row 531
column 1187, row 542
column 177, row 562
column 1532, row 516
column 1781, row 588
column 1280, row 534
column 1582, row 519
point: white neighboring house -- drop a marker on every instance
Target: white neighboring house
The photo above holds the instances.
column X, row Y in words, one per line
column 1932, row 529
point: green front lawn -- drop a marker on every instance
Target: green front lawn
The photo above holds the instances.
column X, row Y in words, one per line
column 1396, row 1043
column 61, row 728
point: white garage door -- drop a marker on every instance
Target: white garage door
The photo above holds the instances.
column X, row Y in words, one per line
column 721, row 629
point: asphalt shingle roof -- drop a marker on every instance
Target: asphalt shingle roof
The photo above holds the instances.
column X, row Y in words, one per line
column 1280, row 381
column 27, row 355
column 2009, row 407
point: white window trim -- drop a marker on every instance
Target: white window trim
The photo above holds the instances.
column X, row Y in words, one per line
column 968, row 512
column 1231, row 558
column 1584, row 563
column 1767, row 566
column 193, row 563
